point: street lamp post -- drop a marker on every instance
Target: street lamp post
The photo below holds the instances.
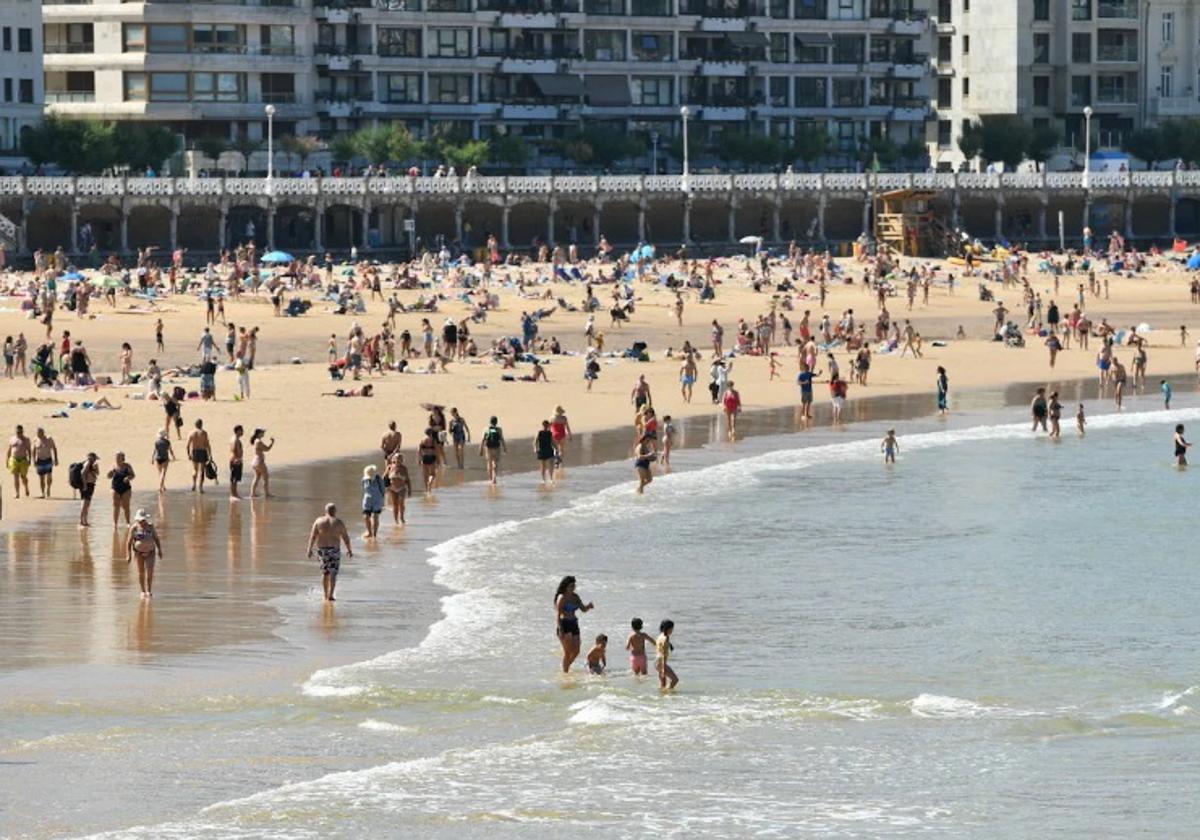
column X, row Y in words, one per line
column 270, row 111
column 1087, row 147
column 685, row 113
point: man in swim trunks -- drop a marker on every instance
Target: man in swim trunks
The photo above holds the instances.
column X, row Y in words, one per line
column 235, row 462
column 17, row 456
column 197, row 450
column 328, row 532
column 45, row 459
column 641, row 393
column 391, row 441
column 90, row 475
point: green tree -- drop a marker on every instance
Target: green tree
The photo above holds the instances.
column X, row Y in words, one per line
column 810, row 144
column 245, row 147
column 465, row 155
column 85, row 147
column 1043, row 140
column 602, row 146
column 971, row 141
column 695, row 147
column 1181, row 139
column 749, row 149
column 913, row 149
column 211, row 146
column 140, row 146
column 374, row 143
column 881, row 150
column 342, row 148
column 1005, row 139
column 510, row 150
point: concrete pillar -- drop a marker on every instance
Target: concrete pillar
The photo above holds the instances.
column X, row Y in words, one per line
column 1129, row 218
column 74, row 246
column 866, row 215
column 732, row 223
column 174, row 236
column 1171, row 217
column 124, row 230
column 596, row 224
column 458, row 223
column 822, row 203
column 687, row 220
column 776, row 222
column 223, row 229
column 955, row 211
column 504, row 243
column 23, row 228
column 1041, row 222
column 319, row 227
column 999, row 219
column 364, row 241
column 550, row 225
column 641, row 223
column 271, row 226
column 1087, row 215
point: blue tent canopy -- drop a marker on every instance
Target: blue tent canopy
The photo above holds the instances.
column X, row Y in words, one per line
column 277, row 257
column 1193, row 262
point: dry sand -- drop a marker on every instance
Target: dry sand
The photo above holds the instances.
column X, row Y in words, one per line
column 287, row 397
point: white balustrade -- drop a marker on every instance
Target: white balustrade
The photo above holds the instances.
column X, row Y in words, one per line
column 529, row 184
column 1109, row 180
column 892, row 181
column 665, row 183
column 845, row 181
column 1186, row 178
column 344, row 186
column 98, row 187
column 1153, row 179
column 294, row 186
column 392, row 186
column 149, row 186
column 710, row 183
column 574, row 184
column 620, row 183
column 1022, row 180
column 1065, row 180
column 200, row 186
column 49, row 186
column 758, row 181
column 932, row 180
column 246, row 186
column 978, row 180
column 12, row 185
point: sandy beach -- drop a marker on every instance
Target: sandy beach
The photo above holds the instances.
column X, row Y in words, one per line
column 287, row 397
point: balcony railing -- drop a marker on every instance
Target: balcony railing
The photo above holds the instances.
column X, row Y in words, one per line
column 273, row 4
column 1123, row 11
column 1117, row 52
column 726, row 55
column 70, row 96
column 1117, row 97
column 553, row 54
column 69, row 49
column 652, row 8
column 717, row 9
column 530, row 7
column 279, row 97
column 343, row 50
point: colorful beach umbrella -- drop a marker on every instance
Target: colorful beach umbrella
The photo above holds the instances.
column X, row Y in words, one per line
column 277, row 257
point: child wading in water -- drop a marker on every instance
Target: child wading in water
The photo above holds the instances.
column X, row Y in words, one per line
column 597, row 659
column 662, row 649
column 889, row 447
column 1181, row 446
column 1080, row 420
column 636, row 645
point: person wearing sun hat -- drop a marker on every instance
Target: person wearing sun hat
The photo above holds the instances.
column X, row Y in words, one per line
column 143, row 543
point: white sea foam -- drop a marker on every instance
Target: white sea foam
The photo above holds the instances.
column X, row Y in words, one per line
column 943, row 706
column 478, row 604
column 372, row 725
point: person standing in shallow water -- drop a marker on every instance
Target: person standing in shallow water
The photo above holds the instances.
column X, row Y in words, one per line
column 1181, row 447
column 327, row 536
column 943, row 391
column 567, row 604
column 1038, row 410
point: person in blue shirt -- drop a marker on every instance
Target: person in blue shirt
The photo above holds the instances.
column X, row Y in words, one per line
column 1165, row 387
column 805, row 380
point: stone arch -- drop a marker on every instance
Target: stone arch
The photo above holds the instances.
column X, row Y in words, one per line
column 246, row 222
column 1072, row 210
column 1021, row 218
column 481, row 219
column 843, row 219
column 710, row 221
column 574, row 222
column 105, row 223
column 1187, row 217
column 343, row 226
column 798, row 220
column 435, row 222
column 199, row 227
column 1108, row 214
column 149, row 224
column 619, row 221
column 977, row 216
column 295, row 227
column 526, row 220
column 664, row 222
column 48, row 225
column 755, row 217
column 1152, row 217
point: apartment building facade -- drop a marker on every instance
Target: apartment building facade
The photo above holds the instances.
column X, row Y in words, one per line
column 540, row 68
column 20, row 74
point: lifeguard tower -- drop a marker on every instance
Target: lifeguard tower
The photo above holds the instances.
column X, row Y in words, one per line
column 905, row 224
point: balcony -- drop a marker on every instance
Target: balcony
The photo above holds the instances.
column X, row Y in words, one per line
column 269, row 4
column 716, row 9
column 67, row 96
column 278, row 97
column 1117, row 10
column 652, row 8
column 1175, row 106
column 530, row 7
column 1117, row 53
column 78, row 48
column 1119, row 96
column 516, row 54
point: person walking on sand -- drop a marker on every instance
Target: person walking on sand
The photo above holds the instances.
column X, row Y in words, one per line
column 262, row 475
column 667, row 680
column 142, row 542
column 640, row 395
column 45, row 459
column 373, row 489
column 732, row 404
column 198, row 449
column 1038, row 410
column 805, row 380
column 492, row 445
column 89, row 474
column 837, row 396
column 643, row 456
column 567, row 605
column 1181, row 447
column 327, row 536
column 17, row 456
column 236, row 461
column 391, row 440
column 943, row 391
column 122, row 477
column 399, row 485
column 163, row 455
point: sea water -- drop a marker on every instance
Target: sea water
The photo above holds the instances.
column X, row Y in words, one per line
column 995, row 637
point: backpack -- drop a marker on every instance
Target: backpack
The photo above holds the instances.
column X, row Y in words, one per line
column 491, row 438
column 210, row 471
column 75, row 476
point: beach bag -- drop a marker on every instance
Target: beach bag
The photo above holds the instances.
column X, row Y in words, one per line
column 210, row 471
column 75, row 476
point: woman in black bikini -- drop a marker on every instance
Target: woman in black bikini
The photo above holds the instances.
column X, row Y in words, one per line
column 566, row 604
column 122, row 490
column 427, row 451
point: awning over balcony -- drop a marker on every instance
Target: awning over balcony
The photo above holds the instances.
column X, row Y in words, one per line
column 558, row 87
column 607, row 90
column 814, row 39
column 747, row 40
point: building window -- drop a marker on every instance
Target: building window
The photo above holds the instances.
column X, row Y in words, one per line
column 8, row 39
column 1081, row 47
column 1081, row 9
column 1168, row 27
column 966, row 86
column 812, row 9
column 651, row 46
column 810, row 93
column 135, row 87
column 399, row 43
column 24, row 40
column 218, row 38
column 604, row 45
column 1081, row 91
column 966, row 45
column 168, row 87
column 134, row 37
column 1166, row 81
column 1041, row 9
column 451, row 43
column 218, row 87
column 848, row 93
column 945, row 130
column 1041, row 48
column 1041, row 91
column 651, row 90
column 945, row 93
column 277, row 40
column 811, row 53
column 453, row 89
column 167, row 38
column 848, row 49
column 8, row 90
column 777, row 52
column 402, row 88
column 26, row 91
column 777, row 91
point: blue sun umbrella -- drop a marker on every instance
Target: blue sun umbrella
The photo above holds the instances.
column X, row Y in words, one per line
column 73, row 277
column 277, row 257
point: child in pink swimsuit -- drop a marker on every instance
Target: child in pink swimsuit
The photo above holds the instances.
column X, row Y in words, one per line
column 636, row 645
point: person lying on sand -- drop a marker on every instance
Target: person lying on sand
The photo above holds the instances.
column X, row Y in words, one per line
column 365, row 391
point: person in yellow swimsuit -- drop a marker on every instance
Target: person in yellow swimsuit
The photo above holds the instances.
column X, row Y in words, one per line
column 17, row 455
column 662, row 649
